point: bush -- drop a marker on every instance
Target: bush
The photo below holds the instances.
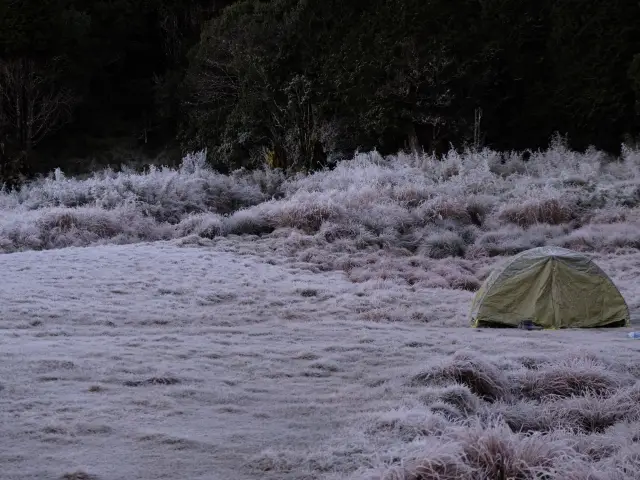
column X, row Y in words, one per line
column 407, row 206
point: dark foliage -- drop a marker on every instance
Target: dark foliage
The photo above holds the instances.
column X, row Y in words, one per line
column 298, row 83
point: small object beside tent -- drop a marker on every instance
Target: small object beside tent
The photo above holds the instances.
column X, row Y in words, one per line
column 549, row 287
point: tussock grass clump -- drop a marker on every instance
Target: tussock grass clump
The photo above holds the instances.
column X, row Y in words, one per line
column 442, row 245
column 570, row 416
column 206, row 225
column 602, row 238
column 568, row 379
column 306, row 213
column 494, row 451
column 512, row 239
column 444, row 208
column 457, row 395
column 443, row 462
column 462, row 398
column 591, row 413
column 247, row 222
column 407, row 423
column 483, row 451
column 482, row 378
column 524, row 416
column 585, row 414
column 553, row 211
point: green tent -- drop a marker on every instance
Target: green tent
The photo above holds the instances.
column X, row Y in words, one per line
column 551, row 288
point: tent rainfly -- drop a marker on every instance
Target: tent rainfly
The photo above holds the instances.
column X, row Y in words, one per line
column 551, row 288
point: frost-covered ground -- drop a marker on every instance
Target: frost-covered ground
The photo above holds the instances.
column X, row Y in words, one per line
column 179, row 361
column 253, row 327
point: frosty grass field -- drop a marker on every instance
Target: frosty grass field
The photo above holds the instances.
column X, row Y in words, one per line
column 181, row 324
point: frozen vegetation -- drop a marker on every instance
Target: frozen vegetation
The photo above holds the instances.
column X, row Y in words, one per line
column 254, row 326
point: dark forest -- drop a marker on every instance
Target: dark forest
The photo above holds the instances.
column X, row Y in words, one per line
column 297, row 83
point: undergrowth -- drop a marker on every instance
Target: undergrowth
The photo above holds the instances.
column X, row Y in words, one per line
column 419, row 209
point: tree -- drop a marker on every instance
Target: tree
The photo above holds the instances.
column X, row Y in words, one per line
column 234, row 84
column 36, row 40
column 32, row 106
column 591, row 46
column 261, row 68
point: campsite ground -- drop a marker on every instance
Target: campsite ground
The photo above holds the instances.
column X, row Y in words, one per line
column 156, row 361
column 186, row 324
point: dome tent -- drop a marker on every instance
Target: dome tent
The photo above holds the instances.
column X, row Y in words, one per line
column 552, row 288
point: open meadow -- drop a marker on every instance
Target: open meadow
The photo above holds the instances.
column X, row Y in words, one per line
column 184, row 324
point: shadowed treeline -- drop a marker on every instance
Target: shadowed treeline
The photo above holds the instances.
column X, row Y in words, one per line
column 299, row 84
